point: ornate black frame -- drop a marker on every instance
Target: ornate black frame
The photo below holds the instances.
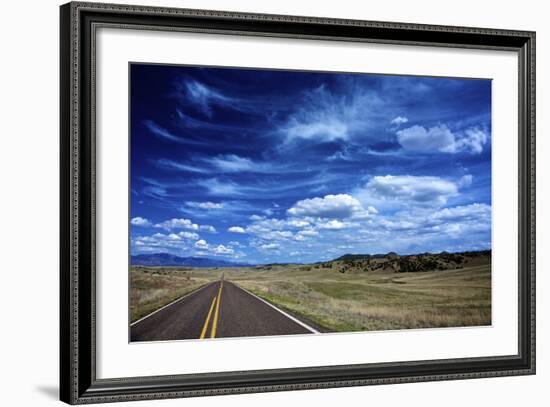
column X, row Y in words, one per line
column 78, row 382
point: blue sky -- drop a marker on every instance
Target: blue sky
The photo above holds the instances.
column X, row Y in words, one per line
column 266, row 166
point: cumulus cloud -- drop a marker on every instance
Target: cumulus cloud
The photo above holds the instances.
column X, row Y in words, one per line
column 139, row 221
column 473, row 140
column 221, row 249
column 475, row 211
column 434, row 139
column 188, row 235
column 201, row 244
column 399, row 120
column 208, row 228
column 331, row 206
column 176, row 223
column 236, row 229
column 176, row 243
column 409, row 189
column 333, row 224
column 441, row 139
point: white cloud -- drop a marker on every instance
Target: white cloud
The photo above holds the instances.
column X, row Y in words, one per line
column 220, row 188
column 305, row 234
column 174, row 165
column 276, row 235
column 331, row 206
column 231, row 163
column 327, row 129
column 234, row 243
column 177, row 224
column 139, row 221
column 418, row 138
column 201, row 244
column 236, row 229
column 269, row 246
column 399, row 120
column 204, row 96
column 333, row 224
column 256, row 217
column 473, row 140
column 327, row 116
column 456, row 221
column 205, row 205
column 208, row 228
column 298, row 223
column 160, row 132
column 188, row 235
column 465, row 181
column 221, row 249
column 441, row 139
column 409, row 189
column 475, row 211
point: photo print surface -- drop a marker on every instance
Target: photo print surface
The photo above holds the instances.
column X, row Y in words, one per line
column 278, row 202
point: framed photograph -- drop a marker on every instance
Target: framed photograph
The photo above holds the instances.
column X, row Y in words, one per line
column 255, row 203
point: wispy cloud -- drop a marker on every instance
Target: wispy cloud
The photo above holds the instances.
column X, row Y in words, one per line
column 205, row 96
column 164, row 134
column 301, row 160
column 328, row 116
column 227, row 163
column 205, row 205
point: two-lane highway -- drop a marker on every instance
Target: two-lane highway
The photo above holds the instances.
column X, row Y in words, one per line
column 217, row 310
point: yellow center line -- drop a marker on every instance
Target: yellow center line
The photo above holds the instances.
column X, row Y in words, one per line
column 215, row 321
column 205, row 327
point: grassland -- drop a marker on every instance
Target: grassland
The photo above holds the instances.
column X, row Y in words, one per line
column 342, row 295
column 154, row 287
column 376, row 300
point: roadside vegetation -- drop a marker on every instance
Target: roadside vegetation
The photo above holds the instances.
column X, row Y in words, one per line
column 351, row 293
column 153, row 287
column 376, row 300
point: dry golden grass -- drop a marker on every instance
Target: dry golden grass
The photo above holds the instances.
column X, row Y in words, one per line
column 336, row 301
column 154, row 287
column 376, row 300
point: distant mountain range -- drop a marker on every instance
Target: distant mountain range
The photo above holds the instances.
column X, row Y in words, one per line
column 166, row 259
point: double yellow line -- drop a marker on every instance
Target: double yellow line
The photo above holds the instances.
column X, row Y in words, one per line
column 215, row 303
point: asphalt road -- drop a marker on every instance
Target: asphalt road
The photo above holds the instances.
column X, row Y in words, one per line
column 217, row 310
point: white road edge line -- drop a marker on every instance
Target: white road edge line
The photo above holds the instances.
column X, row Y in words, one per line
column 313, row 330
column 172, row 303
